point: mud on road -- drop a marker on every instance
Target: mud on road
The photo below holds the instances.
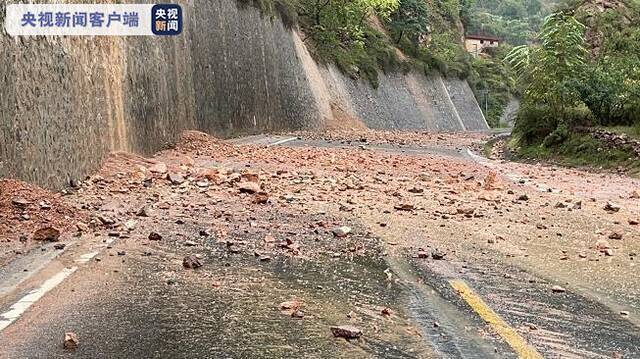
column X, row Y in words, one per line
column 316, row 232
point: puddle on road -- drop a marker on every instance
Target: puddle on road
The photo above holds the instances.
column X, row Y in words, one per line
column 228, row 309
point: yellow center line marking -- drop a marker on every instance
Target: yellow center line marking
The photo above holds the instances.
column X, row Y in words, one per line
column 519, row 345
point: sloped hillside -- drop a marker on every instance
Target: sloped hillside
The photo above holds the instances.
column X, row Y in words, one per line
column 513, row 21
column 363, row 37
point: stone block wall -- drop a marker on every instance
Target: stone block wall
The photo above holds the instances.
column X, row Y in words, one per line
column 65, row 102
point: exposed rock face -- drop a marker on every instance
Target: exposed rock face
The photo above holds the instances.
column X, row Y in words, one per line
column 613, row 140
column 68, row 101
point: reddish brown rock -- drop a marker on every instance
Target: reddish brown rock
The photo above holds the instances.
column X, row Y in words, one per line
column 611, row 207
column 346, row 331
column 47, row 234
column 341, row 232
column 250, row 177
column 249, row 187
column 615, row 235
column 153, row 236
column 191, row 262
column 160, row 168
column 70, row 341
column 261, row 198
column 175, row 178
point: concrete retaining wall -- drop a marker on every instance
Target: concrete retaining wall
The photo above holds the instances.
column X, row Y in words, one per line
column 66, row 102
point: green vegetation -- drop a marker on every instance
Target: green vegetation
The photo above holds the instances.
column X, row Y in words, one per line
column 362, row 36
column 550, row 70
column 582, row 151
column 611, row 87
column 493, row 84
column 582, row 66
column 585, row 71
column 340, row 33
column 410, row 22
column 513, row 21
column 631, row 131
column 441, row 50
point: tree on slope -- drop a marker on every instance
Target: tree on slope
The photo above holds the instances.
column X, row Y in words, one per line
column 550, row 70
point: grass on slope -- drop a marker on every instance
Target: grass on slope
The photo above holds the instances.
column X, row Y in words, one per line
column 582, row 151
column 631, row 131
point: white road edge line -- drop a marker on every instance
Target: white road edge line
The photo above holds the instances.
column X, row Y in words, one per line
column 21, row 306
column 85, row 258
column 28, row 300
column 282, row 141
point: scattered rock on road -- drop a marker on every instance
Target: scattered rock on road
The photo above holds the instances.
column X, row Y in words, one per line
column 341, row 232
column 191, row 262
column 560, row 205
column 153, row 236
column 249, row 187
column 20, row 202
column 611, row 207
column 292, row 305
column 160, row 168
column 106, row 220
column 261, row 198
column 298, row 314
column 602, row 244
column 405, row 207
column 130, row 225
column 615, row 235
column 346, row 331
column 82, row 227
column 47, row 234
column 250, row 177
column 175, row 178
column 70, row 340
column 437, row 255
column 144, row 211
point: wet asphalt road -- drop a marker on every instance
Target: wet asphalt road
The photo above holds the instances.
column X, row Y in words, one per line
column 143, row 305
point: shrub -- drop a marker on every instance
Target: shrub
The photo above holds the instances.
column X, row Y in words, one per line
column 534, row 123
